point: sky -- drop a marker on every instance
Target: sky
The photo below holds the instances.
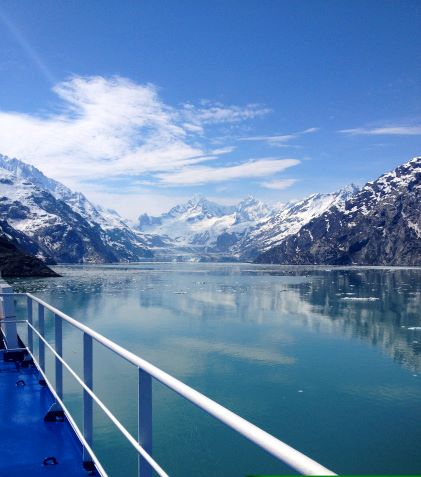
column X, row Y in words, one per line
column 143, row 104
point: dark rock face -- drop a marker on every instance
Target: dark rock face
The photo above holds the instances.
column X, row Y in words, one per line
column 380, row 225
column 226, row 240
column 15, row 263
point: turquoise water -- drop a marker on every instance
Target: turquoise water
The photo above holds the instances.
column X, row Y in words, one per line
column 322, row 358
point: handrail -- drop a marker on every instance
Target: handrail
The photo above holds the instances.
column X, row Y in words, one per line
column 109, row 414
column 280, row 450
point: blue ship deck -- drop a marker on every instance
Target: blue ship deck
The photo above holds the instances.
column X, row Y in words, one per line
column 26, row 439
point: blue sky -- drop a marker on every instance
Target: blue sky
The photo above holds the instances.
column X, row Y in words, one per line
column 142, row 104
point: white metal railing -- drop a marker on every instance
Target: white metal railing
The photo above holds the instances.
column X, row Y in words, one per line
column 146, row 371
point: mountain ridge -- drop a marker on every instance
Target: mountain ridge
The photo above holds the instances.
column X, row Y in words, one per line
column 380, row 225
column 199, row 225
column 46, row 219
column 240, row 231
column 64, row 225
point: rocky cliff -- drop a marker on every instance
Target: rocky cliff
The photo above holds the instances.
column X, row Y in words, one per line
column 380, row 225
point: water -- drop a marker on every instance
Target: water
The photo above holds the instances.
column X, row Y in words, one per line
column 322, row 358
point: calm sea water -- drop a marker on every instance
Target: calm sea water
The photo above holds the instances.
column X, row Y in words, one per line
column 322, row 358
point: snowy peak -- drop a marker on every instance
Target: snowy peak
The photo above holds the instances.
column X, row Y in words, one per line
column 199, row 207
column 241, row 231
column 287, row 220
column 80, row 204
column 251, row 209
column 26, row 171
column 380, row 225
column 63, row 224
column 399, row 181
column 202, row 225
column 348, row 191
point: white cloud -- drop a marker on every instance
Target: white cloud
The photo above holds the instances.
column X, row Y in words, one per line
column 213, row 112
column 201, row 174
column 280, row 184
column 115, row 140
column 113, row 127
column 223, row 150
column 384, row 131
column 279, row 140
column 106, row 127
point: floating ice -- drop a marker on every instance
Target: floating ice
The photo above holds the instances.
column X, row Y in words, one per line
column 356, row 298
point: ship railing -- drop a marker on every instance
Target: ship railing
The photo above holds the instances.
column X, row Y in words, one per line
column 146, row 371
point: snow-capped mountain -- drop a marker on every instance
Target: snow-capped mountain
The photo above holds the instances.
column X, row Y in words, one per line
column 380, row 225
column 239, row 232
column 62, row 225
column 202, row 226
column 288, row 220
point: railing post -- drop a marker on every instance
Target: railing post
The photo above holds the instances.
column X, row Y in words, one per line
column 30, row 319
column 41, row 345
column 8, row 313
column 145, row 420
column 87, row 400
column 59, row 349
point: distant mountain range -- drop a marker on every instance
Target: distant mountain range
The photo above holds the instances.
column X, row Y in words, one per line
column 206, row 230
column 201, row 229
column 379, row 224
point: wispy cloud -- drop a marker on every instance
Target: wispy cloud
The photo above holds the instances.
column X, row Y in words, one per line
column 279, row 184
column 114, row 127
column 384, row 131
column 201, row 175
column 26, row 46
column 214, row 112
column 279, row 140
column 223, row 150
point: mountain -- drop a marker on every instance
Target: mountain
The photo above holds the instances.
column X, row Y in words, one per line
column 202, row 227
column 15, row 263
column 236, row 232
column 380, row 225
column 61, row 225
column 288, row 220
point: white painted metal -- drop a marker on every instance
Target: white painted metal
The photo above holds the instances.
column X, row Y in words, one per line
column 7, row 312
column 87, row 399
column 41, row 327
column 282, row 451
column 144, row 420
column 58, row 332
column 107, row 412
column 29, row 310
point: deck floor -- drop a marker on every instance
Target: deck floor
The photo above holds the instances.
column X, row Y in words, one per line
column 26, row 440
